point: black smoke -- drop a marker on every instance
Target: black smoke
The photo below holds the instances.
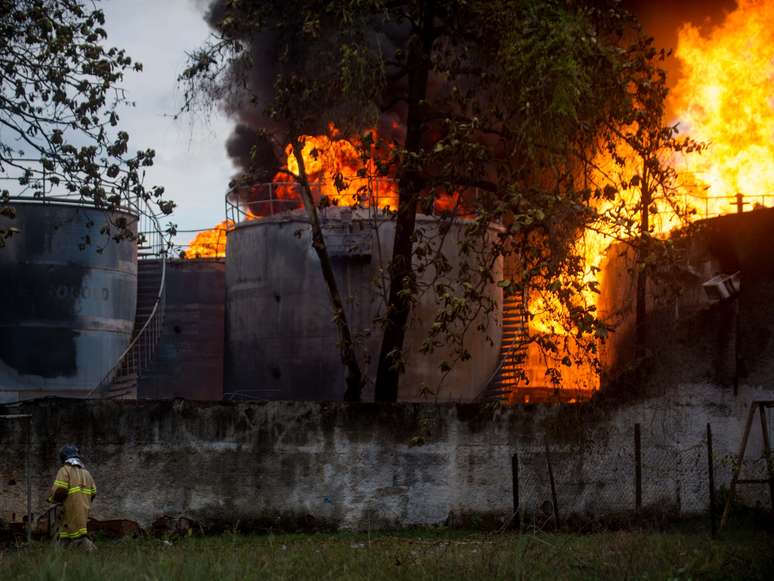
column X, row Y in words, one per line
column 248, row 90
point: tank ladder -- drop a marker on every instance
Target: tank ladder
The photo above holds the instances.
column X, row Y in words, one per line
column 513, row 350
column 122, row 379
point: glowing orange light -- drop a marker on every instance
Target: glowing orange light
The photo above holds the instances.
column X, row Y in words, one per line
column 724, row 98
column 338, row 172
column 209, row 243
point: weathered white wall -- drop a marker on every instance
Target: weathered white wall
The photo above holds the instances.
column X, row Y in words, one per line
column 297, row 464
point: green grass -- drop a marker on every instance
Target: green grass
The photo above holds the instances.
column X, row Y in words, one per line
column 414, row 556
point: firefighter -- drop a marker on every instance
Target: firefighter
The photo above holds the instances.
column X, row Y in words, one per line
column 74, row 490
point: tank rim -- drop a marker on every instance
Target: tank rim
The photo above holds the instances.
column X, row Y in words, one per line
column 299, row 217
column 79, row 204
column 199, row 259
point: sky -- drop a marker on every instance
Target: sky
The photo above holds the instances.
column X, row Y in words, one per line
column 191, row 161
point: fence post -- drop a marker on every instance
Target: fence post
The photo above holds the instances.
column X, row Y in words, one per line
column 553, row 485
column 516, row 518
column 711, row 472
column 28, row 477
column 637, row 468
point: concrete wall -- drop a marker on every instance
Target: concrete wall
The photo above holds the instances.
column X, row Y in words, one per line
column 288, row 464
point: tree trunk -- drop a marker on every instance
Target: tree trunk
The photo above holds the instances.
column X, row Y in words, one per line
column 354, row 377
column 640, row 321
column 402, row 282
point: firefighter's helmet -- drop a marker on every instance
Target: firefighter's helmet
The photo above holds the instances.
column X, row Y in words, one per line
column 68, row 451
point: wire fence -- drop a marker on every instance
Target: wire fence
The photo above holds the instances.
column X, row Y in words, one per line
column 645, row 475
column 620, row 472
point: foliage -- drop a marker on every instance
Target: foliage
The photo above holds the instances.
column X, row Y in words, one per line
column 322, row 70
column 528, row 88
column 321, row 67
column 526, row 100
column 501, row 107
column 637, row 193
column 59, row 98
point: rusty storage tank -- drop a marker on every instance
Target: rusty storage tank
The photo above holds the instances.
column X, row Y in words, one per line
column 189, row 359
column 281, row 341
column 67, row 304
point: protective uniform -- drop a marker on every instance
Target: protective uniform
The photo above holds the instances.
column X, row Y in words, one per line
column 75, row 489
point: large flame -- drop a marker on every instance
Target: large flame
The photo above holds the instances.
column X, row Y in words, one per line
column 340, row 170
column 344, row 173
column 724, row 98
column 209, row 243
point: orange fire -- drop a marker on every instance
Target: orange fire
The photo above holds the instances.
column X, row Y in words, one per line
column 339, row 171
column 209, row 243
column 333, row 166
column 724, row 98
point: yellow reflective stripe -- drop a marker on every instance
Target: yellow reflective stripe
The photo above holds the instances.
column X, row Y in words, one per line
column 61, row 483
column 73, row 535
column 82, row 490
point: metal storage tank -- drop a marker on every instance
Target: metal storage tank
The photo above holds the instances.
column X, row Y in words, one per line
column 67, row 307
column 281, row 341
column 189, row 359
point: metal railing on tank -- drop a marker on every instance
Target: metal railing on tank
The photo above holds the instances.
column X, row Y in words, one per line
column 246, row 203
column 29, row 180
column 714, row 206
column 693, row 206
column 268, row 199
